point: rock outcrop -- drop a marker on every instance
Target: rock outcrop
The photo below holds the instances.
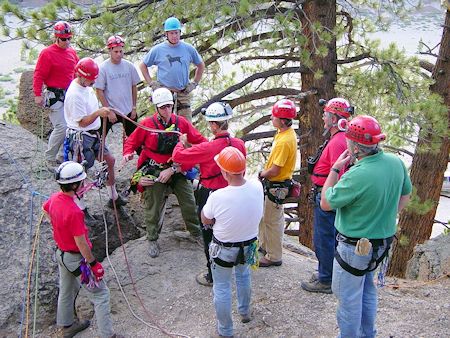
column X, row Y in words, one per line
column 31, row 117
column 431, row 260
column 24, row 186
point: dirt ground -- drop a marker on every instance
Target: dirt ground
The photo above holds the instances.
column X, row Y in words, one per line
column 177, row 304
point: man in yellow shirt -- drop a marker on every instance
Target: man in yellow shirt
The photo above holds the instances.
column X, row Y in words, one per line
column 276, row 177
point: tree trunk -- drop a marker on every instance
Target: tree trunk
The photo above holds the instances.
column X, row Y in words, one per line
column 311, row 122
column 427, row 169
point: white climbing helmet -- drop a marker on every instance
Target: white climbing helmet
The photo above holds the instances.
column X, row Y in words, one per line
column 70, row 172
column 218, row 111
column 161, row 97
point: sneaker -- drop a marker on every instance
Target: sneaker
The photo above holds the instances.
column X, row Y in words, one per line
column 317, row 286
column 153, row 249
column 77, row 326
column 119, row 202
column 265, row 263
column 245, row 318
column 52, row 165
column 204, row 279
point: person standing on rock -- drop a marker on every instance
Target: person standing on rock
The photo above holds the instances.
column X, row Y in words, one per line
column 75, row 258
column 116, row 84
column 156, row 170
column 211, row 179
column 52, row 76
column 234, row 213
column 319, row 166
column 367, row 199
column 83, row 116
column 276, row 176
column 173, row 58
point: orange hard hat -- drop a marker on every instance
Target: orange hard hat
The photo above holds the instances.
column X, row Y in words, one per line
column 231, row 160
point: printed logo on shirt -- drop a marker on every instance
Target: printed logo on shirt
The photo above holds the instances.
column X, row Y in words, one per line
column 173, row 59
column 118, row 76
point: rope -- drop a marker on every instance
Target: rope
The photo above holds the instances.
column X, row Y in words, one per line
column 139, row 125
column 30, row 270
column 410, row 284
column 156, row 326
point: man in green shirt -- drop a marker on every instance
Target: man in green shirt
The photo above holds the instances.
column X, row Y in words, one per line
column 367, row 199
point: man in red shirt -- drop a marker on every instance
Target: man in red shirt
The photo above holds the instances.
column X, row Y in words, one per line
column 211, row 179
column 55, row 70
column 335, row 112
column 74, row 254
column 158, row 171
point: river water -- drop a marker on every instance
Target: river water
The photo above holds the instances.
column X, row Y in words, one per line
column 424, row 26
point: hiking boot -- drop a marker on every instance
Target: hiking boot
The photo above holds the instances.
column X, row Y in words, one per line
column 245, row 318
column 77, row 326
column 317, row 286
column 153, row 249
column 119, row 202
column 265, row 263
column 52, row 165
column 314, row 277
column 182, row 234
column 262, row 251
column 204, row 279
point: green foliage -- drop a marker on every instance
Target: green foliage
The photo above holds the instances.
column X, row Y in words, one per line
column 10, row 114
column 418, row 206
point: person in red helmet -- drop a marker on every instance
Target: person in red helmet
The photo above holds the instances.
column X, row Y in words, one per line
column 83, row 116
column 275, row 176
column 52, row 76
column 367, row 199
column 336, row 112
column 116, row 84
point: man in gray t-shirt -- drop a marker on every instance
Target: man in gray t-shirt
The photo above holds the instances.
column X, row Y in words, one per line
column 116, row 84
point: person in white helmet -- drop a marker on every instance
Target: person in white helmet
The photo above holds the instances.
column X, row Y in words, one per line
column 74, row 255
column 159, row 172
column 173, row 58
column 217, row 114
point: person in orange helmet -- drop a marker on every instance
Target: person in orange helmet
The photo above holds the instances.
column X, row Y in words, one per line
column 235, row 229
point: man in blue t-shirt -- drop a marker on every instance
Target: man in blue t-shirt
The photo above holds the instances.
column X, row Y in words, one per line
column 173, row 58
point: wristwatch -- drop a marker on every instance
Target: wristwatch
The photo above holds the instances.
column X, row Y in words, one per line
column 174, row 169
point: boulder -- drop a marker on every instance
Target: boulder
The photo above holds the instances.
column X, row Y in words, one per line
column 431, row 260
column 31, row 117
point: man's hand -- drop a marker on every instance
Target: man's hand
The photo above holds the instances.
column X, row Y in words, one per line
column 39, row 100
column 165, row 175
column 146, row 182
column 184, row 140
column 127, row 157
column 190, row 87
column 97, row 270
column 342, row 160
column 133, row 113
column 154, row 85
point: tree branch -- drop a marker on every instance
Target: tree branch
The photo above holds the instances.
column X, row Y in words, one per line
column 353, row 59
column 261, row 75
column 261, row 95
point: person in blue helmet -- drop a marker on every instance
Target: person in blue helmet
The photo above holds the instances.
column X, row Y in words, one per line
column 172, row 59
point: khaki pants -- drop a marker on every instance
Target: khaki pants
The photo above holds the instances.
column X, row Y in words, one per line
column 182, row 101
column 271, row 230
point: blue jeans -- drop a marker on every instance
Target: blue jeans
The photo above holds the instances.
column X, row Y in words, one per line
column 357, row 295
column 324, row 239
column 222, row 277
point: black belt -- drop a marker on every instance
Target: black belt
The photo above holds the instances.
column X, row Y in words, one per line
column 53, row 89
column 375, row 242
column 234, row 244
column 72, row 252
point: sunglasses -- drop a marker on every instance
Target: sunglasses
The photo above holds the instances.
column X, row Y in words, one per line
column 166, row 106
column 65, row 39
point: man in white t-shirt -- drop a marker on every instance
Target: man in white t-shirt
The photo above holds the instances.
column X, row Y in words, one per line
column 235, row 229
column 83, row 117
column 116, row 84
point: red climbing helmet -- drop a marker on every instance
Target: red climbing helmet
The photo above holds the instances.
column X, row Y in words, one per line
column 339, row 106
column 87, row 68
column 114, row 41
column 284, row 109
column 365, row 130
column 62, row 29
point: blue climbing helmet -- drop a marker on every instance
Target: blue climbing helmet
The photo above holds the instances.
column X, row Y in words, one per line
column 172, row 24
